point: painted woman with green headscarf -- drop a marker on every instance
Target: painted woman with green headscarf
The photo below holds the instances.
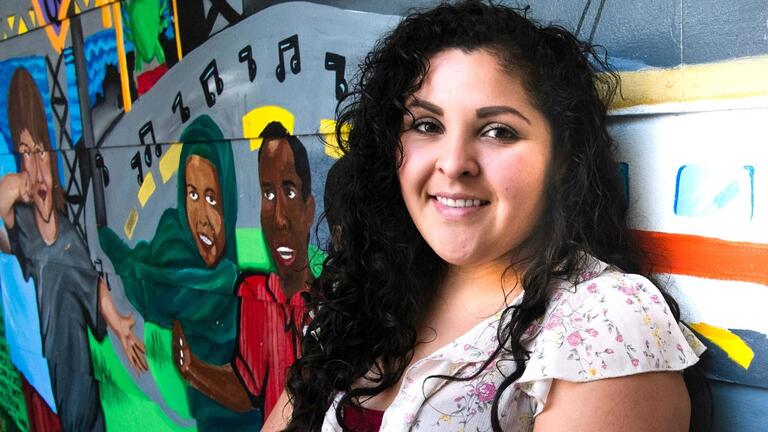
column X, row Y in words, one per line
column 187, row 272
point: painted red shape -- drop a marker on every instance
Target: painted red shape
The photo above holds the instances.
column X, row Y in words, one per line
column 148, row 79
column 706, row 257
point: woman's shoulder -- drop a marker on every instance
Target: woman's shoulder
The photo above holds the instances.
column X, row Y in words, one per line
column 608, row 324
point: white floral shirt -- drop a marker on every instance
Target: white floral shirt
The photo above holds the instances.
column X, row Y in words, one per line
column 610, row 324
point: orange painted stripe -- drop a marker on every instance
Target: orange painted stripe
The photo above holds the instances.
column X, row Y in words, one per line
column 176, row 29
column 121, row 60
column 706, row 257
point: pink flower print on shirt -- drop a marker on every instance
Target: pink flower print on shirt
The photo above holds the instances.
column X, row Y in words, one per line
column 554, row 321
column 635, row 362
column 576, row 320
column 619, row 338
column 574, row 338
column 486, row 391
column 592, row 332
column 629, row 290
column 592, row 288
column 655, row 299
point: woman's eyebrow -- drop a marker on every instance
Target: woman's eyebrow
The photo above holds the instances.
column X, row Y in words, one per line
column 429, row 106
column 500, row 109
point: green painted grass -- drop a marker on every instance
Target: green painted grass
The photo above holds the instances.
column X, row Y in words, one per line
column 126, row 407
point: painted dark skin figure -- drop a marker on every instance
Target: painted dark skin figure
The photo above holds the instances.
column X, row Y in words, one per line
column 272, row 307
column 286, row 217
column 205, row 215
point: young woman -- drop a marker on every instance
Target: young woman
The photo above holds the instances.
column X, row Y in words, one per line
column 486, row 279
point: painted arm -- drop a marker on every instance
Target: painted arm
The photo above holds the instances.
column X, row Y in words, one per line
column 14, row 188
column 647, row 402
column 280, row 415
column 122, row 325
column 220, row 383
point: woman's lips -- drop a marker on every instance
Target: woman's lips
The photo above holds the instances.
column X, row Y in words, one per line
column 456, row 206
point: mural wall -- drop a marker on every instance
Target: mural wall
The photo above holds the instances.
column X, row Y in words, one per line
column 163, row 170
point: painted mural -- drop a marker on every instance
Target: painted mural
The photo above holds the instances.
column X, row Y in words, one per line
column 164, row 166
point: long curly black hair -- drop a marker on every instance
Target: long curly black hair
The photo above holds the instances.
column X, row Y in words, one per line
column 375, row 287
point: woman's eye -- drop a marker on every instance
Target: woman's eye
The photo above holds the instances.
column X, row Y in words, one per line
column 193, row 195
column 291, row 194
column 502, row 132
column 269, row 195
column 211, row 200
column 426, row 126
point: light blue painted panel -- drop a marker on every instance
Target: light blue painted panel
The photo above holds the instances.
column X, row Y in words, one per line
column 739, row 408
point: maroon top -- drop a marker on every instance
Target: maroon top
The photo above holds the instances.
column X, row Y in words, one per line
column 361, row 419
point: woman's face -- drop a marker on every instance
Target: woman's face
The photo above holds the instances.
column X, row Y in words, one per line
column 36, row 162
column 476, row 156
column 205, row 211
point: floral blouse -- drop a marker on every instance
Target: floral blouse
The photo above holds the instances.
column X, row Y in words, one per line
column 610, row 324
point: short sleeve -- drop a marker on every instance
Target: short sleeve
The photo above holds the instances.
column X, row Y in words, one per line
column 610, row 326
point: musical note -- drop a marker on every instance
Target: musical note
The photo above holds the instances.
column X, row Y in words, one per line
column 211, row 71
column 178, row 105
column 136, row 164
column 285, row 45
column 246, row 56
column 145, row 130
column 104, row 170
column 337, row 63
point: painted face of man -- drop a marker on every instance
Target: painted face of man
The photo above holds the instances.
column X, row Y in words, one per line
column 36, row 163
column 205, row 209
column 286, row 217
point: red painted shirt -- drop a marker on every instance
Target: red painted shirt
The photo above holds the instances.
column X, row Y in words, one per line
column 270, row 332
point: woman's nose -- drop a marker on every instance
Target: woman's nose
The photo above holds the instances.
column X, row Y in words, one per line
column 457, row 157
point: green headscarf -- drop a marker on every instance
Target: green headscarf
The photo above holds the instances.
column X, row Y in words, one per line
column 166, row 279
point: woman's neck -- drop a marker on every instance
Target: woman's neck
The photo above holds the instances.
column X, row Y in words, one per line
column 479, row 290
column 49, row 230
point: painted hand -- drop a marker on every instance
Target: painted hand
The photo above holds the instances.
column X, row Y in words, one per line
column 182, row 356
column 24, row 186
column 133, row 348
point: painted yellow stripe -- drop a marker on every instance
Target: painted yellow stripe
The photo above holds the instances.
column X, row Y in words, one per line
column 130, row 223
column 169, row 163
column 731, row 79
column 122, row 63
column 147, row 189
column 176, row 29
column 106, row 16
column 734, row 346
column 22, row 26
